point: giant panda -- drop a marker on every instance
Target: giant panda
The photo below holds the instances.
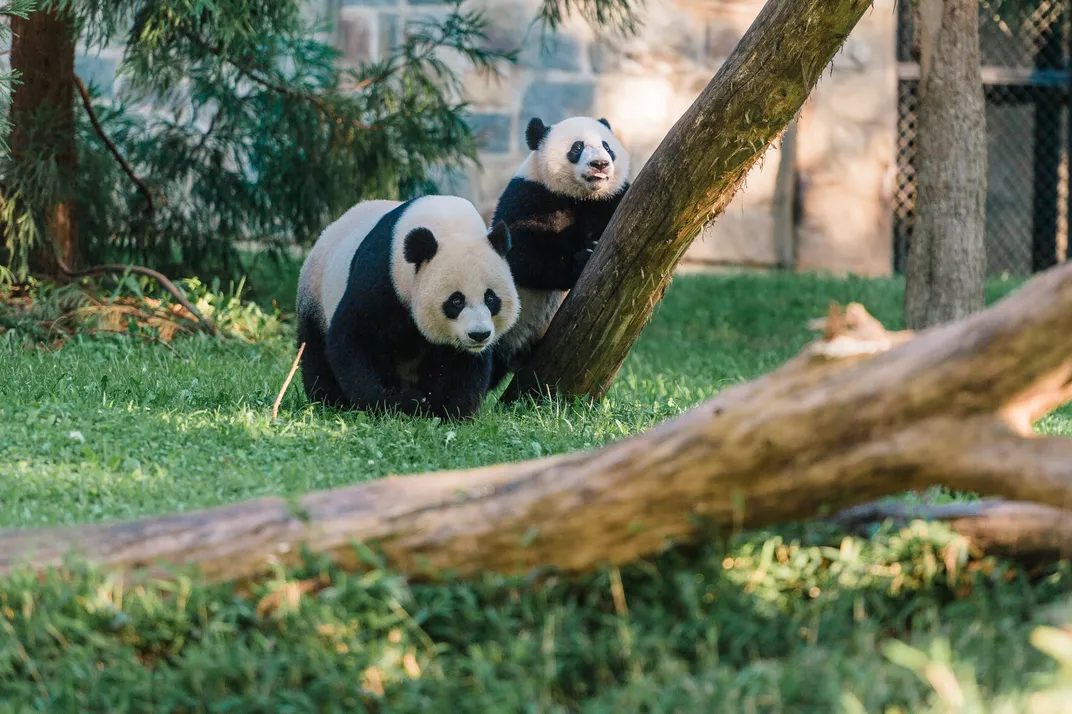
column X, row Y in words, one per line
column 399, row 304
column 556, row 207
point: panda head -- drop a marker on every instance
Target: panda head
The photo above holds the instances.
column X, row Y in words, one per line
column 452, row 273
column 578, row 157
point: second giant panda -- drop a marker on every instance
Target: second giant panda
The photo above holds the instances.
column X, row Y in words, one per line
column 399, row 305
column 556, row 207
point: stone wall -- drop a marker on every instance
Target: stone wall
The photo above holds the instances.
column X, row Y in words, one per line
column 824, row 206
column 833, row 195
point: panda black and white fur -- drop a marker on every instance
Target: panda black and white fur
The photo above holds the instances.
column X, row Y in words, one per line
column 556, row 206
column 399, row 305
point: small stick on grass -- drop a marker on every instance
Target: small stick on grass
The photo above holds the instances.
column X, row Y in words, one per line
column 286, row 382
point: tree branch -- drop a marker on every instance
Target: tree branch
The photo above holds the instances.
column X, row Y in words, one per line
column 1022, row 530
column 165, row 283
column 254, row 76
column 689, row 180
column 110, row 145
column 829, row 429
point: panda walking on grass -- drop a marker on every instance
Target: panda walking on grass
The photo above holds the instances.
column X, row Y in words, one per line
column 556, row 207
column 399, row 305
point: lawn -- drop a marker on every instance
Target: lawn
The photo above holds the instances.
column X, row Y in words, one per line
column 798, row 619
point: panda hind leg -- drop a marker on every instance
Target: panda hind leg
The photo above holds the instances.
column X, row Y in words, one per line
column 317, row 378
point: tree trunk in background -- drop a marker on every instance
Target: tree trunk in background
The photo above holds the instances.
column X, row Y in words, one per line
column 785, row 194
column 688, row 181
column 43, row 51
column 946, row 271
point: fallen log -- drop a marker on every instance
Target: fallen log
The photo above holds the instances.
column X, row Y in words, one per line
column 860, row 414
column 1027, row 531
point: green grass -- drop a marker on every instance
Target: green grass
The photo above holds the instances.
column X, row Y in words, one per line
column 792, row 620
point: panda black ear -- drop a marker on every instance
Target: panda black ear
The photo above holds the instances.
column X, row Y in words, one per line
column 535, row 132
column 419, row 246
column 500, row 238
column 605, row 123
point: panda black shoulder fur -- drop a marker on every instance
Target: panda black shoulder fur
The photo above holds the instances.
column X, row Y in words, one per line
column 556, row 206
column 399, row 303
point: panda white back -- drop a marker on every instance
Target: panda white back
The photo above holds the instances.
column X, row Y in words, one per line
column 326, row 271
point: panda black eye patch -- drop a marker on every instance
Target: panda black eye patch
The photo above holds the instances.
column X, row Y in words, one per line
column 574, row 154
column 453, row 306
column 492, row 301
column 609, row 150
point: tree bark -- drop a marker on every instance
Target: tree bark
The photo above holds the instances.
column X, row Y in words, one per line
column 860, row 414
column 42, row 115
column 1026, row 531
column 689, row 180
column 946, row 270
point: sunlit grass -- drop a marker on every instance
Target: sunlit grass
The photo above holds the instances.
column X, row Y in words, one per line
column 794, row 619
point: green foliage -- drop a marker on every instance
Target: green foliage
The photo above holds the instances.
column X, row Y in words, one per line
column 260, row 134
column 42, row 314
column 615, row 15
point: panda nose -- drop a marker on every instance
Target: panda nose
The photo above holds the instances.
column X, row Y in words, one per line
column 479, row 336
column 599, row 164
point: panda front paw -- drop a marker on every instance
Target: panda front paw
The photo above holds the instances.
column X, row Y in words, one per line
column 581, row 257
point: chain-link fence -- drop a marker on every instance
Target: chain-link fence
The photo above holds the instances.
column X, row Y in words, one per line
column 1024, row 46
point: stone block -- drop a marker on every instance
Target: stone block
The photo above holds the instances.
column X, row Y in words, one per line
column 355, row 37
column 488, row 91
column 492, row 132
column 641, row 109
column 604, row 57
column 490, row 178
column 721, row 38
column 388, row 34
column 452, row 182
column 670, row 42
column 742, row 235
column 553, row 51
column 97, row 72
column 554, row 101
column 507, row 25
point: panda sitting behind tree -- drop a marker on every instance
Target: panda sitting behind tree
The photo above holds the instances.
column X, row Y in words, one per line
column 399, row 304
column 556, row 207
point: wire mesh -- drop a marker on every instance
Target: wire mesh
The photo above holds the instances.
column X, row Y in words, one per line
column 1024, row 53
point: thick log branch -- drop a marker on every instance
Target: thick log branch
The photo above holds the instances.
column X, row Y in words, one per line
column 689, row 180
column 1023, row 530
column 829, row 429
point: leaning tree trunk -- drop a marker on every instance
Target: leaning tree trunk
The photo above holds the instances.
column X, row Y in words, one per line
column 689, row 180
column 42, row 115
column 861, row 414
column 946, row 271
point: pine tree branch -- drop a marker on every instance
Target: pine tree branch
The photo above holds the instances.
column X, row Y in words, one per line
column 112, row 149
column 254, row 76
